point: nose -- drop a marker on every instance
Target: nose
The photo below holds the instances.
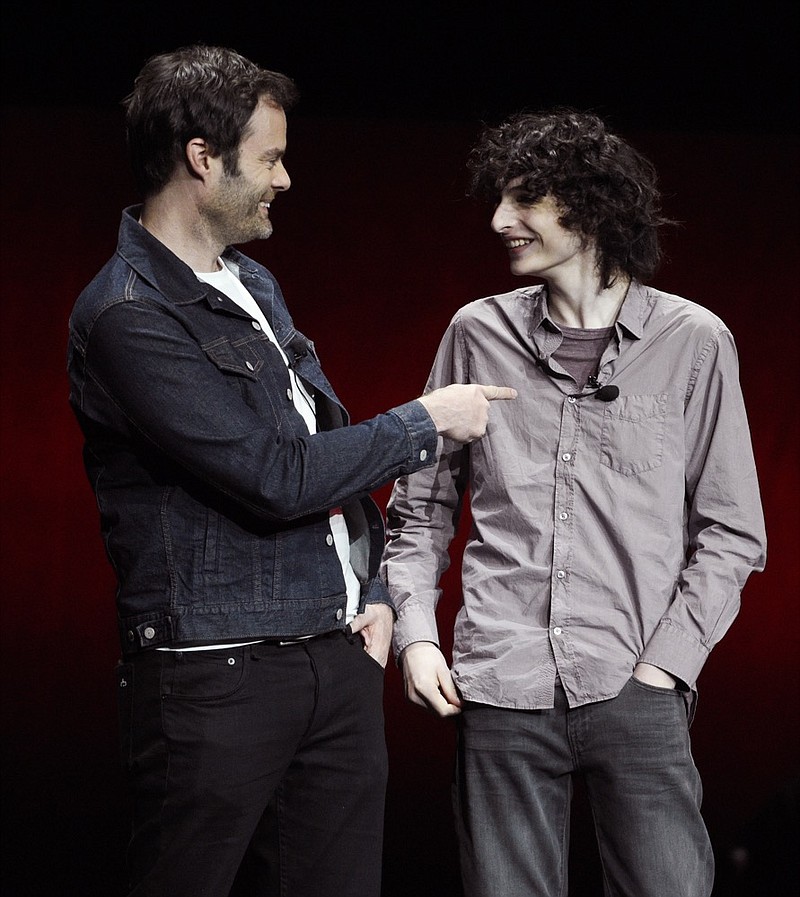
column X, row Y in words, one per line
column 502, row 218
column 280, row 178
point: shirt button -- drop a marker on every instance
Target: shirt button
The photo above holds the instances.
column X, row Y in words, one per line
column 256, row 325
column 423, row 454
column 560, row 575
column 563, row 515
column 557, row 630
column 329, row 539
column 149, row 632
column 289, row 394
column 249, row 366
column 339, row 614
column 566, row 456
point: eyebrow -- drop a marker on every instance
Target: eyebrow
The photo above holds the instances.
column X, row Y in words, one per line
column 272, row 154
column 523, row 189
column 517, row 188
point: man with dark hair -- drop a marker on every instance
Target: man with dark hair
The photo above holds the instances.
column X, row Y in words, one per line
column 615, row 519
column 235, row 509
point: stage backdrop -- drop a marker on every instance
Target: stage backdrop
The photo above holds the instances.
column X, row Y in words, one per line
column 375, row 247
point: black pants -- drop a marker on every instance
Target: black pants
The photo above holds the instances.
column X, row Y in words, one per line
column 228, row 749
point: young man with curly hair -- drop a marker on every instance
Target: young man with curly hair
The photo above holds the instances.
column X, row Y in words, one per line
column 615, row 518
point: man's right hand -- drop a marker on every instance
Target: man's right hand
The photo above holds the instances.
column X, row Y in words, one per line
column 427, row 679
column 461, row 411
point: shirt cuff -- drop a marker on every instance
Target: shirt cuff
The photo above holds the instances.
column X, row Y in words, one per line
column 676, row 652
column 421, row 432
column 416, row 622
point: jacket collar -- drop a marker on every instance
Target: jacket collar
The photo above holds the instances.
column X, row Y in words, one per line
column 159, row 266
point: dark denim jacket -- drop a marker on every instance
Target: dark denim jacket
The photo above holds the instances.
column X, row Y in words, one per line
column 213, row 498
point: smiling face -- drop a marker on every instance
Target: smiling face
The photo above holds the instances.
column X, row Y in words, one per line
column 537, row 244
column 236, row 208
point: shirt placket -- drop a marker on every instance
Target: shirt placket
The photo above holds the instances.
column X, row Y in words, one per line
column 563, row 533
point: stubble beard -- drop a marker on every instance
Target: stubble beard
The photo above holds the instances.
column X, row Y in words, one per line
column 235, row 216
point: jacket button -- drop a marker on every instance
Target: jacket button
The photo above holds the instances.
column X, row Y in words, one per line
column 329, row 539
column 249, row 366
column 289, row 394
column 149, row 632
column 423, row 454
column 339, row 614
column 256, row 325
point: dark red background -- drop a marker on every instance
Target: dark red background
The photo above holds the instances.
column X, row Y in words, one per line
column 375, row 247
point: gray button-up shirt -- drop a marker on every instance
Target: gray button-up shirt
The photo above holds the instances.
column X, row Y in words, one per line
column 603, row 532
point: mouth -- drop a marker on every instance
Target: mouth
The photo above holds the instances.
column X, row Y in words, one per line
column 516, row 244
column 264, row 206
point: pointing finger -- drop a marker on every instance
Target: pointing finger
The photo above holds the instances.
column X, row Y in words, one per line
column 498, row 392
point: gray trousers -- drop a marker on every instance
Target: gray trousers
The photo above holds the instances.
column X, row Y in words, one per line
column 514, row 785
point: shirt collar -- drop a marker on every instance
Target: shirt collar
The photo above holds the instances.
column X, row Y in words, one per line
column 631, row 314
column 630, row 318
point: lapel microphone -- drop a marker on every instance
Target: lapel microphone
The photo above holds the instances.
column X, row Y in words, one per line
column 607, row 393
column 604, row 393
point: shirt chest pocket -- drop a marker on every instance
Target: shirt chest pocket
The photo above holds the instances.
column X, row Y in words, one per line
column 632, row 440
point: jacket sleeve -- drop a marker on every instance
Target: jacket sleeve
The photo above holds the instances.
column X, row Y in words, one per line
column 726, row 540
column 145, row 377
column 422, row 518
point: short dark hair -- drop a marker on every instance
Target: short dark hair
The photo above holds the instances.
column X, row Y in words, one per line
column 606, row 189
column 196, row 91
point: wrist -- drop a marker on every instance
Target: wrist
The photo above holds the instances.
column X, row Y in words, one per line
column 651, row 675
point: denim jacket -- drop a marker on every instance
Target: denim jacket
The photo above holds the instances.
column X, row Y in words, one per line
column 214, row 500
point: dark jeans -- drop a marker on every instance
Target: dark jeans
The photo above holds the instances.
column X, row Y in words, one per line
column 514, row 784
column 228, row 749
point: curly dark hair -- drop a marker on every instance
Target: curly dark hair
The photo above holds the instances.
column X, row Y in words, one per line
column 606, row 189
column 195, row 91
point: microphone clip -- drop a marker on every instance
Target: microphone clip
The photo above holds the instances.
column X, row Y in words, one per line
column 607, row 393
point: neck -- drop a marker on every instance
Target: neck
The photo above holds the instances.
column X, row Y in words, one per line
column 583, row 302
column 171, row 217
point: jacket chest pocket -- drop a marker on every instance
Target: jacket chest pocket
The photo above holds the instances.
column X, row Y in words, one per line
column 237, row 357
column 255, row 368
column 632, row 440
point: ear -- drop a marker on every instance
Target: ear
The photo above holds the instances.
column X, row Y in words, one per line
column 198, row 158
